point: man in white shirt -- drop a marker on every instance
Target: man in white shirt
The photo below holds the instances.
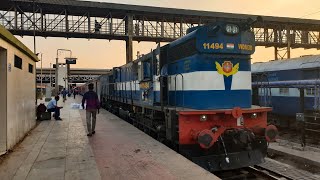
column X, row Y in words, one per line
column 53, row 107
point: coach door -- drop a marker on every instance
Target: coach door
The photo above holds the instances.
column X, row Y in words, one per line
column 3, row 100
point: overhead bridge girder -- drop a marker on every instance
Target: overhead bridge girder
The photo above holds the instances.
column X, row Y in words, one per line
column 108, row 21
column 72, row 78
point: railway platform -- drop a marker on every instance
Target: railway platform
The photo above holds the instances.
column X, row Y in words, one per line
column 61, row 150
column 306, row 156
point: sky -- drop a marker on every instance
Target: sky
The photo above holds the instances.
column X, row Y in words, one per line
column 105, row 54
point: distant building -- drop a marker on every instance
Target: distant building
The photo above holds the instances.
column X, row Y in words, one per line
column 17, row 92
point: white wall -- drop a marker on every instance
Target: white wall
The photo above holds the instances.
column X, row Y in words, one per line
column 3, row 101
column 20, row 96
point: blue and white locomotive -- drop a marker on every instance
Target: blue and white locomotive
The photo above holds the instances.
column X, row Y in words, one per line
column 195, row 93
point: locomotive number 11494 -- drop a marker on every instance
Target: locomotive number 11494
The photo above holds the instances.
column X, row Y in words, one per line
column 212, row 45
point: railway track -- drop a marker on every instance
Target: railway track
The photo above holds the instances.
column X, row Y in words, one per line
column 270, row 170
column 252, row 172
column 262, row 173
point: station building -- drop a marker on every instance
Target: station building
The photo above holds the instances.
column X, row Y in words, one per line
column 17, row 91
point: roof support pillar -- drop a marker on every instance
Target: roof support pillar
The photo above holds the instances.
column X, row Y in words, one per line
column 111, row 24
column 66, row 22
column 15, row 18
column 89, row 24
column 129, row 33
column 266, row 34
column 181, row 28
column 289, row 37
column 162, row 28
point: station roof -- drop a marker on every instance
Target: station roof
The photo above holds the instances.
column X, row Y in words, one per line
column 120, row 10
column 7, row 36
column 304, row 62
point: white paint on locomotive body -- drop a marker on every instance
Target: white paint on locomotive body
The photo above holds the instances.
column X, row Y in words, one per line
column 198, row 80
column 156, row 83
column 208, row 80
column 128, row 86
column 241, row 81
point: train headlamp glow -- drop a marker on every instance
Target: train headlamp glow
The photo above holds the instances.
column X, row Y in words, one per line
column 203, row 118
column 254, row 115
column 232, row 29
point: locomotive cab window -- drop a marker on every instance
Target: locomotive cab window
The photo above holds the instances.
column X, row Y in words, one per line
column 144, row 70
column 17, row 62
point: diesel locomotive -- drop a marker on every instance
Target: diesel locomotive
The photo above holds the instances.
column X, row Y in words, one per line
column 195, row 94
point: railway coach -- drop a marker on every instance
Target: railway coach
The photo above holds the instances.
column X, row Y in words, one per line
column 195, row 94
column 289, row 86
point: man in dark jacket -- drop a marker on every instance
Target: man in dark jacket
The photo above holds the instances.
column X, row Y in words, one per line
column 92, row 105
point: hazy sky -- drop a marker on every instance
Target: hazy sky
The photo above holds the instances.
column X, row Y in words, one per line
column 104, row 54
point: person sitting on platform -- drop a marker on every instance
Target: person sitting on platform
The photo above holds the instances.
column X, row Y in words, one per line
column 53, row 107
column 41, row 109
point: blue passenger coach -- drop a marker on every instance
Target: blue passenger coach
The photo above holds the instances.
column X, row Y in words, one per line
column 285, row 99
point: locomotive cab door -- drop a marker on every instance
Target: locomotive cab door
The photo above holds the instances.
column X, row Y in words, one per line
column 163, row 76
column 156, row 75
column 3, row 101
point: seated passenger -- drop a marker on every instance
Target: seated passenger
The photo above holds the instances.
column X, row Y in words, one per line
column 40, row 109
column 52, row 107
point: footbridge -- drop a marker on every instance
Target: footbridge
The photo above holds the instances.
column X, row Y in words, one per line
column 97, row 20
column 75, row 75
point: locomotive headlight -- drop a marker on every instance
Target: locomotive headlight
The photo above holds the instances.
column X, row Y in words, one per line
column 203, row 118
column 254, row 115
column 232, row 29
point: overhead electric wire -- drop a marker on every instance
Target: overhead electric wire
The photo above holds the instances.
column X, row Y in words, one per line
column 310, row 14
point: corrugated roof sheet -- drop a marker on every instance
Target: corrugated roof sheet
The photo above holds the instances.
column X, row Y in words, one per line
column 7, row 36
column 312, row 61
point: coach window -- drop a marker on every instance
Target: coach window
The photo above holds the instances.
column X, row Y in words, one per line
column 17, row 62
column 310, row 92
column 284, row 91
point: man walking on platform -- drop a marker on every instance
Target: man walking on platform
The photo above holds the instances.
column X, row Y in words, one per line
column 64, row 94
column 93, row 105
column 74, row 93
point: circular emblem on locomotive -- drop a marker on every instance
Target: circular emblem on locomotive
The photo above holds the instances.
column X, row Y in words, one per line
column 227, row 68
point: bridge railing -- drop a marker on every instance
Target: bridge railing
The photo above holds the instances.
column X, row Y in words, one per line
column 72, row 78
column 138, row 25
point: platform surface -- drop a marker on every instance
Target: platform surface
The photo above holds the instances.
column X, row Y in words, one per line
column 61, row 150
column 307, row 154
